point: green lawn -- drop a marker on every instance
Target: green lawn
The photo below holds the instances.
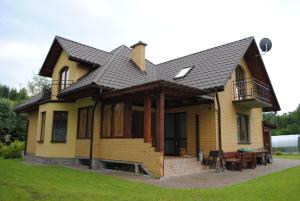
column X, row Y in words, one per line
column 288, row 156
column 19, row 181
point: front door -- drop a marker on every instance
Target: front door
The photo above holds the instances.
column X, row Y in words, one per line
column 175, row 133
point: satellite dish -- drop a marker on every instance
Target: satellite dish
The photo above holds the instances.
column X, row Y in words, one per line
column 265, row 44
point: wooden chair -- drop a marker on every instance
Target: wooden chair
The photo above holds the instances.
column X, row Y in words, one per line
column 234, row 159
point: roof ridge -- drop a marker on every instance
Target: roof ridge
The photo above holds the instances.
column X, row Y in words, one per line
column 204, row 50
column 120, row 46
column 104, row 68
column 79, row 43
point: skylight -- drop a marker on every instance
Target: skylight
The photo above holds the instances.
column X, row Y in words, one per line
column 183, row 72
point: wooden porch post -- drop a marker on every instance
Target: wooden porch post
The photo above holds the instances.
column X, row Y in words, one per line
column 127, row 118
column 160, row 121
column 147, row 119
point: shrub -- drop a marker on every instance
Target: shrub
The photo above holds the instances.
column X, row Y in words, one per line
column 14, row 150
column 2, row 148
column 278, row 153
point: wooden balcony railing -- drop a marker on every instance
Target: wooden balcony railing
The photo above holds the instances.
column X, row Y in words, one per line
column 250, row 89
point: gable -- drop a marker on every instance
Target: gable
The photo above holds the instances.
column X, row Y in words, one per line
column 78, row 52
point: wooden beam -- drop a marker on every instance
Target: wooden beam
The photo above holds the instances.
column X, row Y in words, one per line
column 160, row 120
column 127, row 118
column 147, row 118
column 197, row 118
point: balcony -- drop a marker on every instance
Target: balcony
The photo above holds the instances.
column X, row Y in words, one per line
column 59, row 85
column 251, row 93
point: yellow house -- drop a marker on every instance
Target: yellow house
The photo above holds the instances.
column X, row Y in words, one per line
column 114, row 108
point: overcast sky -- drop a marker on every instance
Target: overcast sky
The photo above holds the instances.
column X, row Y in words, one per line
column 170, row 28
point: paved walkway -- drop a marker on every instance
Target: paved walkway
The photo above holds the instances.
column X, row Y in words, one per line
column 210, row 178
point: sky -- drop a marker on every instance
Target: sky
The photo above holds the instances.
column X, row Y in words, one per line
column 170, row 28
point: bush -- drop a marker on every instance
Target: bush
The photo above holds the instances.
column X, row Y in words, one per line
column 14, row 150
column 2, row 148
column 278, row 153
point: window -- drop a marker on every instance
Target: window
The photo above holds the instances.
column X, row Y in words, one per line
column 119, row 119
column 43, row 121
column 85, row 122
column 137, row 124
column 241, row 87
column 183, row 72
column 113, row 120
column 60, row 123
column 64, row 78
column 107, row 117
column 243, row 129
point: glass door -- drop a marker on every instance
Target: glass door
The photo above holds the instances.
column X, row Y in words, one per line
column 175, row 133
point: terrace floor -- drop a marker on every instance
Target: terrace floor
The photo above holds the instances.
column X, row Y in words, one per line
column 210, row 178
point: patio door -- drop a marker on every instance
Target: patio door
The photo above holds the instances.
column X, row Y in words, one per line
column 175, row 133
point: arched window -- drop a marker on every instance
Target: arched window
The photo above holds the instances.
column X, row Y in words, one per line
column 64, row 78
column 241, row 89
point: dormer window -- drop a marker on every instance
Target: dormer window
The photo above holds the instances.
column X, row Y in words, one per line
column 183, row 72
column 64, row 78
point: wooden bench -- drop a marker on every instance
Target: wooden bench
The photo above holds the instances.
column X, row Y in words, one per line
column 239, row 159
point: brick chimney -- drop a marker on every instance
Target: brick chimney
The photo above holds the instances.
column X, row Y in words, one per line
column 138, row 54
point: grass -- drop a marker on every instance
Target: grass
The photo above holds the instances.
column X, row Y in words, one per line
column 288, row 156
column 19, row 181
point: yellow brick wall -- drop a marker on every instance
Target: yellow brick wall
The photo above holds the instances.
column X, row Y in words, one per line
column 32, row 132
column 206, row 124
column 132, row 150
column 59, row 150
column 229, row 122
column 76, row 71
column 83, row 145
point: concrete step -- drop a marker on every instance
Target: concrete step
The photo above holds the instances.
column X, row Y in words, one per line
column 178, row 166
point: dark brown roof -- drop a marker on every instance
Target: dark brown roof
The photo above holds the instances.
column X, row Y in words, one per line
column 33, row 101
column 212, row 68
column 76, row 52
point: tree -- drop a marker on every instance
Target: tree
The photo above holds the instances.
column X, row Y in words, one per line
column 13, row 94
column 38, row 84
column 287, row 123
column 7, row 118
column 4, row 91
column 22, row 94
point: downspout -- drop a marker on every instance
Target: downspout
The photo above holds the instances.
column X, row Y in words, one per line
column 26, row 137
column 92, row 136
column 219, row 121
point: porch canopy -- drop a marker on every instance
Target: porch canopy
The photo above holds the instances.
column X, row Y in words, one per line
column 156, row 96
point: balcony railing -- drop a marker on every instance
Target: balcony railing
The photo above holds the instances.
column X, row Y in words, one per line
column 58, row 86
column 250, row 89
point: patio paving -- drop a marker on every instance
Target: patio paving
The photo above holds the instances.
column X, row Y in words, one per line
column 210, row 178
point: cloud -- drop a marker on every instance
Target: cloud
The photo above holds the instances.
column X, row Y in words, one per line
column 16, row 50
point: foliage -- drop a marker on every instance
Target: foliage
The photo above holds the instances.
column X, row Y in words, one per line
column 278, row 153
column 287, row 123
column 288, row 156
column 13, row 94
column 13, row 150
column 4, row 91
column 7, row 118
column 2, row 148
column 11, row 123
column 21, row 181
column 38, row 84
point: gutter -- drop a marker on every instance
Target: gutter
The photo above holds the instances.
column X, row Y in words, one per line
column 92, row 136
column 219, row 121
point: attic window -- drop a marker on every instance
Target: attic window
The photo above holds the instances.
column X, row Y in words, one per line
column 183, row 72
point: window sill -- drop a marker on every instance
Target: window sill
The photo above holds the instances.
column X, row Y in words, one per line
column 83, row 138
column 116, row 137
column 244, row 143
column 58, row 141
